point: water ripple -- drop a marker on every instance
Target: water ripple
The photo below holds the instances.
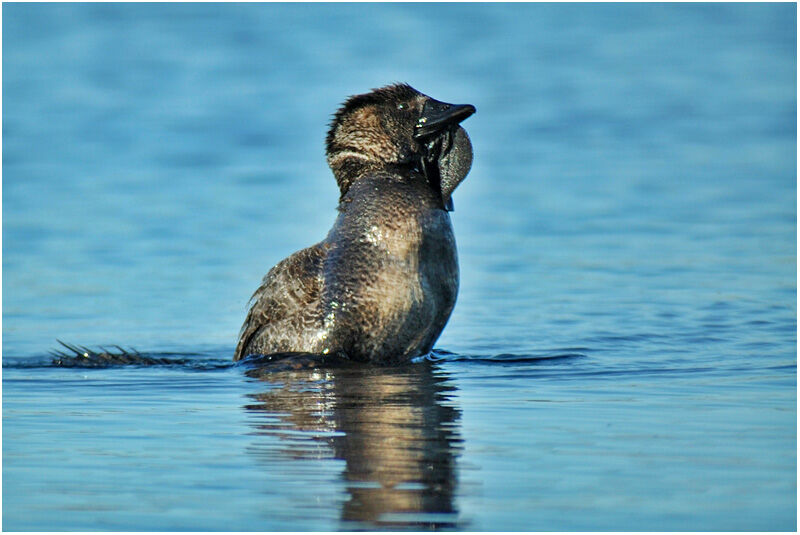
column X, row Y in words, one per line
column 439, row 355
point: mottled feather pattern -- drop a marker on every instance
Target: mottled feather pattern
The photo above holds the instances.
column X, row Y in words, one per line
column 287, row 298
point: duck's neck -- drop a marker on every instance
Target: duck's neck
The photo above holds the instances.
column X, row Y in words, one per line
column 349, row 167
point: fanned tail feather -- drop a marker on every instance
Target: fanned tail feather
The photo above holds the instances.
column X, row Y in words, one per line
column 77, row 356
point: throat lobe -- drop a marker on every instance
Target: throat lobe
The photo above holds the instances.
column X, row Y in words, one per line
column 433, row 151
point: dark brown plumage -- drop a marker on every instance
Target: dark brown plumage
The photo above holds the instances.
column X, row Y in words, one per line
column 381, row 286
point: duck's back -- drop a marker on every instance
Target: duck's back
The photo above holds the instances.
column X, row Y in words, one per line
column 285, row 315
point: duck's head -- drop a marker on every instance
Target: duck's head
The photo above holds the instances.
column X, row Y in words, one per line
column 397, row 125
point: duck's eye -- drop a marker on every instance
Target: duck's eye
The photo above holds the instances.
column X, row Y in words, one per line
column 401, row 106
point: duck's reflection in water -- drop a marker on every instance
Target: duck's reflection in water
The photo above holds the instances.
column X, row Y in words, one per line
column 395, row 428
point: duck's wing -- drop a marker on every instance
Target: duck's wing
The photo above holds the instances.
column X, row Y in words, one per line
column 285, row 308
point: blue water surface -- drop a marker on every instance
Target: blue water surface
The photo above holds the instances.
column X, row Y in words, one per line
column 622, row 355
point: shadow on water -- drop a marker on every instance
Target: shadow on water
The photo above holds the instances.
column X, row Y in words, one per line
column 396, row 429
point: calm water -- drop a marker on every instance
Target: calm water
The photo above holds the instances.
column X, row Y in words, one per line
column 623, row 352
